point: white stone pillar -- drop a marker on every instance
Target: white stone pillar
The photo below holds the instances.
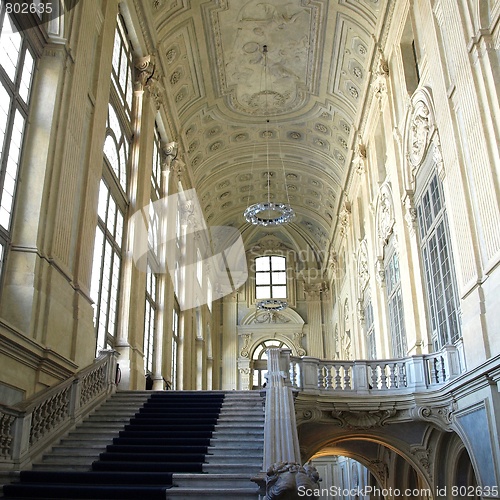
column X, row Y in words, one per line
column 315, row 343
column 229, row 342
column 281, row 443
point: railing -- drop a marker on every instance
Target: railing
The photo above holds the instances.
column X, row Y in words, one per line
column 407, row 374
column 28, row 427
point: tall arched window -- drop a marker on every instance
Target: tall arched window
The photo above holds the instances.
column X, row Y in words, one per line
column 270, row 277
column 17, row 65
column 395, row 302
column 113, row 194
column 442, row 296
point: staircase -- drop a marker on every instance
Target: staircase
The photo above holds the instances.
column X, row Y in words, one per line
column 154, row 445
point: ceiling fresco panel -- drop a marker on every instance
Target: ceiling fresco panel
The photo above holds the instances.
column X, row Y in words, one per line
column 292, row 32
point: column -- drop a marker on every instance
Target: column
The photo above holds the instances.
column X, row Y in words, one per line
column 169, row 153
column 315, row 343
column 229, row 353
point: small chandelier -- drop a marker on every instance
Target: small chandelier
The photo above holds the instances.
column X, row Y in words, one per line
column 272, row 305
column 267, row 213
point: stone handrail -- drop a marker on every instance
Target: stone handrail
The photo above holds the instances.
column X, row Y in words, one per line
column 412, row 374
column 28, row 427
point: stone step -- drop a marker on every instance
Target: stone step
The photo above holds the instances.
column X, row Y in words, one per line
column 229, row 425
column 228, row 444
column 234, row 468
column 230, row 459
column 56, row 466
column 208, row 480
column 71, row 458
column 212, row 493
column 68, row 451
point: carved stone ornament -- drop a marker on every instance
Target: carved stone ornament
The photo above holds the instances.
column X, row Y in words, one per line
column 379, row 84
column 244, row 353
column 269, row 243
column 290, row 481
column 359, row 160
column 410, row 214
column 380, row 470
column 145, row 68
column 168, row 155
column 297, row 340
column 380, row 272
column 313, row 290
column 363, row 273
column 344, row 218
column 333, row 264
column 385, row 215
column 442, row 416
column 270, row 317
column 418, row 137
column 362, row 419
column 438, row 158
column 424, row 456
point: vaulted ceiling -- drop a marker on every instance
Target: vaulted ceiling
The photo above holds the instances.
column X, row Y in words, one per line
column 295, row 116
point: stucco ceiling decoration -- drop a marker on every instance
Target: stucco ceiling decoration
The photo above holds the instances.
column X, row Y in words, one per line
column 320, row 58
column 290, row 31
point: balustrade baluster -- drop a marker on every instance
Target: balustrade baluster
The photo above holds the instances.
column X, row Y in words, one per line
column 338, row 378
column 347, row 378
column 393, row 382
column 433, row 371
column 321, row 377
column 383, row 376
column 374, row 376
column 403, row 379
column 442, row 370
column 293, row 374
column 329, row 377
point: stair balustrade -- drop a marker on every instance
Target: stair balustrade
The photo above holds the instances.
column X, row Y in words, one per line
column 409, row 374
column 28, row 427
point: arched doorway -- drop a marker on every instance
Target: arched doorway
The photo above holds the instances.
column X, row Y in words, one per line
column 258, row 363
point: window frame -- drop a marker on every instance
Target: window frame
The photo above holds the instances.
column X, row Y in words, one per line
column 17, row 106
column 272, row 273
column 395, row 306
column 428, row 231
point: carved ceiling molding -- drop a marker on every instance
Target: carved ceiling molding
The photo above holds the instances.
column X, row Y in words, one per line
column 292, row 31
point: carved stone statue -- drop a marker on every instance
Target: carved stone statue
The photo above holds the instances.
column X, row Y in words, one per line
column 291, row 481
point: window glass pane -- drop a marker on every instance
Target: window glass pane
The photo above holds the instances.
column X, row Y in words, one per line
column 4, row 114
column 442, row 297
column 27, row 72
column 279, row 292
column 279, row 278
column 263, row 292
column 262, row 264
column 10, row 48
column 263, row 278
column 278, row 263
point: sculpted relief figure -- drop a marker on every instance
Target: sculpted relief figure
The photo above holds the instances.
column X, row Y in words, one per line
column 291, row 481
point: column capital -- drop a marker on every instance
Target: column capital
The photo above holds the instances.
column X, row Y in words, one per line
column 168, row 155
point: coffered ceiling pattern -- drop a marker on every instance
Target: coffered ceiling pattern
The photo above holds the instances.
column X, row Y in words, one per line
column 290, row 123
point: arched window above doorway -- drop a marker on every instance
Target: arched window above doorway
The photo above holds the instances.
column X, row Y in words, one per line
column 270, row 277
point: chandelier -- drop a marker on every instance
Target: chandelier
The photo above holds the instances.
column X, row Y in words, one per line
column 267, row 213
column 272, row 305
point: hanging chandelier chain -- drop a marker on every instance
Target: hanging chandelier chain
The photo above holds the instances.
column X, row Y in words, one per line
column 254, row 213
